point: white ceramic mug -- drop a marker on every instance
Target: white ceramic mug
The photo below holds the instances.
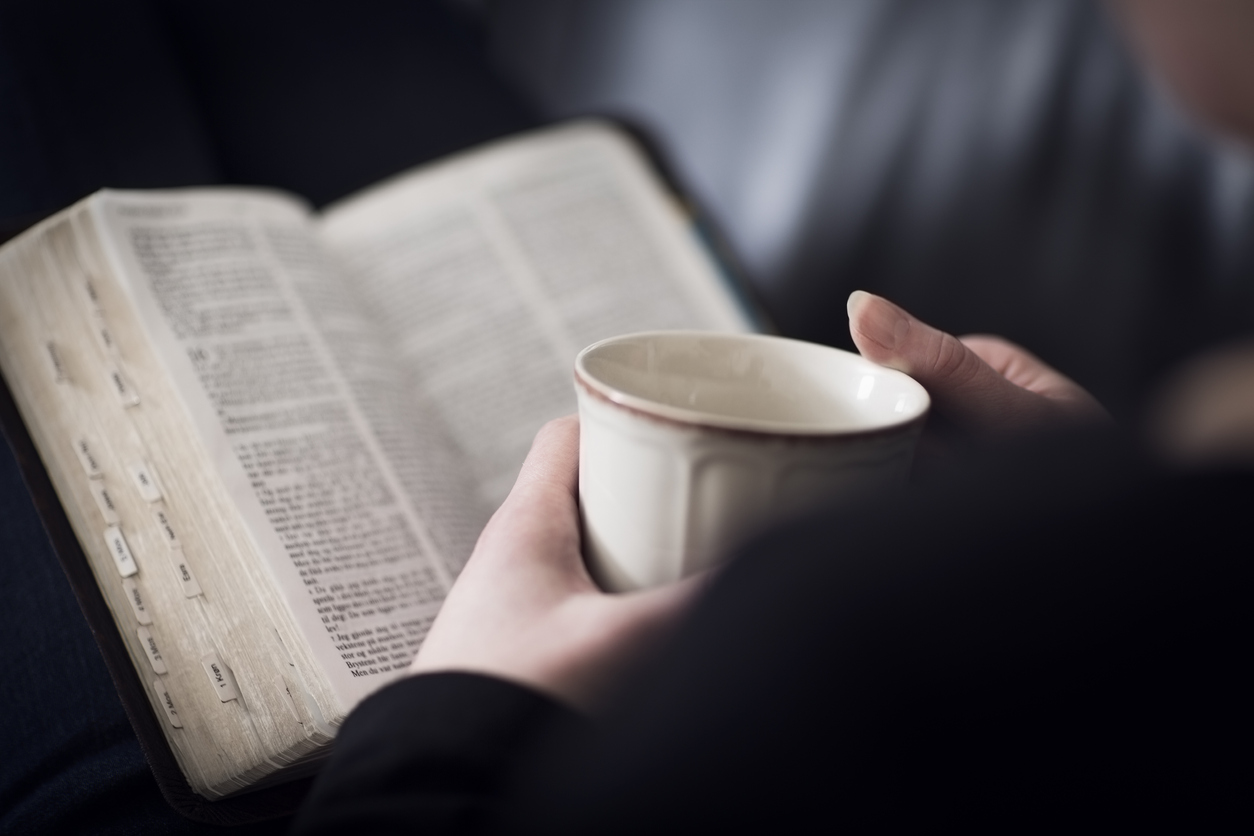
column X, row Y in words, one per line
column 688, row 440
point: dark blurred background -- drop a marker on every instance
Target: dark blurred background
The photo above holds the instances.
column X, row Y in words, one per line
column 993, row 165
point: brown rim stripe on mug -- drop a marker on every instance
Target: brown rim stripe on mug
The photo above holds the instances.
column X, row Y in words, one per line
column 792, row 438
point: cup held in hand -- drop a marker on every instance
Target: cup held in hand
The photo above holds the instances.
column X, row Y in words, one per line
column 690, row 439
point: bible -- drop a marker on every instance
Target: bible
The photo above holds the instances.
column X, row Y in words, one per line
column 276, row 433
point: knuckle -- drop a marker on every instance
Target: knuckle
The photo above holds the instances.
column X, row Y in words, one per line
column 952, row 361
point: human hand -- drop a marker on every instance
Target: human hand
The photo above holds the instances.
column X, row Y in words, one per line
column 1204, row 413
column 984, row 385
column 525, row 608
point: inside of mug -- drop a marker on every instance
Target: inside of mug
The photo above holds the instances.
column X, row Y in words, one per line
column 750, row 381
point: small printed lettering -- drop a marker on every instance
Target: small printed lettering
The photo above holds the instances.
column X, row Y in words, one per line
column 88, row 459
column 163, row 695
column 100, row 492
column 123, row 389
column 150, row 647
column 106, row 338
column 136, row 597
column 120, row 551
column 58, row 365
column 149, row 211
column 220, row 677
column 190, row 587
column 167, row 530
column 145, row 481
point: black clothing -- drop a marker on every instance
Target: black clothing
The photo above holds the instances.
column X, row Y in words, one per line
column 454, row 734
column 320, row 99
column 1057, row 636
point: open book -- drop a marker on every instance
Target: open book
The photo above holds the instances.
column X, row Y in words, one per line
column 277, row 434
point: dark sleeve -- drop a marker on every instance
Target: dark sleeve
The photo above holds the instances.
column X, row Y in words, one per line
column 429, row 751
column 1047, row 640
column 1056, row 638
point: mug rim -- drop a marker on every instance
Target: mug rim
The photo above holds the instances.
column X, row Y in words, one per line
column 586, row 382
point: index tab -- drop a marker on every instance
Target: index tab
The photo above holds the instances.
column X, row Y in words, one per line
column 98, row 320
column 108, row 510
column 58, row 364
column 102, row 333
column 145, row 481
column 220, row 677
column 163, row 696
column 136, row 597
column 166, row 529
column 122, row 388
column 150, row 647
column 190, row 587
column 91, row 465
column 121, row 552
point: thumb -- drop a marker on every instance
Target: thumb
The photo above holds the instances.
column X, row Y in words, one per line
column 963, row 387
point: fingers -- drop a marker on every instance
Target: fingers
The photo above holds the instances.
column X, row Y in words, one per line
column 673, row 598
column 554, row 457
column 607, row 634
column 961, row 384
column 525, row 608
column 1013, row 392
column 537, row 527
column 1205, row 413
column 1028, row 371
column 636, row 618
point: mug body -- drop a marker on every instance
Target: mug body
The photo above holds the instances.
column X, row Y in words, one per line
column 689, row 440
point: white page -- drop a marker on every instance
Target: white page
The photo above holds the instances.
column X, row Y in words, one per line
column 348, row 552
column 407, row 426
column 491, row 270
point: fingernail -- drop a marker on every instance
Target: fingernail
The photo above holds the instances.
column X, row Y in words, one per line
column 878, row 319
column 856, row 300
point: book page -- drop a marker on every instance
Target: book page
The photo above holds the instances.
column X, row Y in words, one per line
column 408, row 427
column 217, row 654
column 213, row 277
column 488, row 273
